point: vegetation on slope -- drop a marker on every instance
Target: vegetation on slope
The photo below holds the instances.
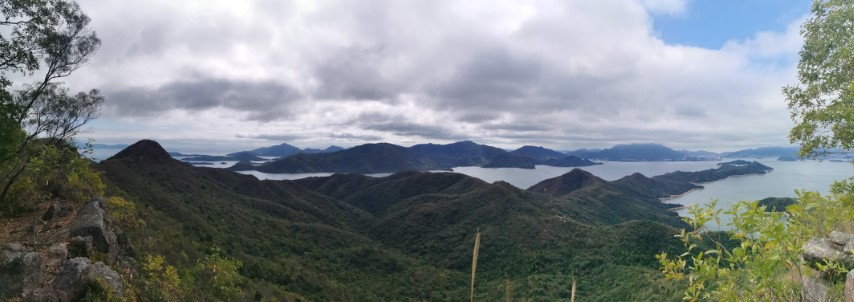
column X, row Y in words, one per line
column 405, row 236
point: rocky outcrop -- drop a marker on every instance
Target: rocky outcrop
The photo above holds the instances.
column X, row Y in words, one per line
column 57, row 209
column 91, row 222
column 73, row 279
column 837, row 248
column 61, row 270
column 818, row 250
column 20, row 271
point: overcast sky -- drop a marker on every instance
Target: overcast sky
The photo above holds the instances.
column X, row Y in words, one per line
column 232, row 75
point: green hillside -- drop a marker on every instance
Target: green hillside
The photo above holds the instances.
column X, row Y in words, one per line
column 407, row 236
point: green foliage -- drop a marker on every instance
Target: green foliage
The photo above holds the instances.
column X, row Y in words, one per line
column 49, row 37
column 160, row 280
column 214, row 278
column 777, row 204
column 124, row 213
column 765, row 264
column 217, row 276
column 98, row 290
column 822, row 104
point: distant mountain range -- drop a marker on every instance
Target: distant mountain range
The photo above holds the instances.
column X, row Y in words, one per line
column 390, row 158
column 285, row 150
column 643, row 152
column 763, row 152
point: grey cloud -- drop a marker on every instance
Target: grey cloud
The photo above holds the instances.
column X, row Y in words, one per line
column 351, row 136
column 477, row 116
column 353, row 73
column 262, row 100
column 412, row 129
column 520, row 127
column 492, row 79
column 271, row 137
column 691, row 111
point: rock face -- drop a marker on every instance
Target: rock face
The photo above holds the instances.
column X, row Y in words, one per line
column 74, row 276
column 62, row 271
column 19, row 272
column 849, row 286
column 837, row 247
column 91, row 222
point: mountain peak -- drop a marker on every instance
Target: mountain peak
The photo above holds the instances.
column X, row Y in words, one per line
column 144, row 149
column 564, row 184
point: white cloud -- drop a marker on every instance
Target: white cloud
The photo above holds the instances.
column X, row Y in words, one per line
column 563, row 74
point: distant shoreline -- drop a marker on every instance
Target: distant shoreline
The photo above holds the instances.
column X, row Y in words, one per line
column 679, row 195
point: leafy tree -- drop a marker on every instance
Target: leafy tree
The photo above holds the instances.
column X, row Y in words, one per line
column 44, row 40
column 822, row 104
column 764, row 263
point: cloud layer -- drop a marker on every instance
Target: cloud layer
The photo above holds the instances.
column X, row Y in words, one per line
column 563, row 74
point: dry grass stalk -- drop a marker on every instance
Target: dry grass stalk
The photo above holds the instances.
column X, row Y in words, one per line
column 474, row 262
column 572, row 294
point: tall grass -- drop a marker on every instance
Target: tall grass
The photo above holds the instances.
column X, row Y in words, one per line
column 474, row 262
column 572, row 294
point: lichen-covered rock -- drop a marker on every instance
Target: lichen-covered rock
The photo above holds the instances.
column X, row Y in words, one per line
column 816, row 290
column 10, row 251
column 43, row 295
column 70, row 282
column 103, row 273
column 91, row 221
column 818, row 250
column 849, row 286
column 76, row 273
column 846, row 241
column 21, row 274
column 56, row 254
column 80, row 246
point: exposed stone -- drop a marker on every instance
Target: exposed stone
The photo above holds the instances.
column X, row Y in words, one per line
column 90, row 221
column 843, row 239
column 43, row 295
column 76, row 273
column 56, row 210
column 20, row 274
column 80, row 246
column 816, row 290
column 849, row 287
column 101, row 272
column 818, row 250
column 57, row 253
column 11, row 270
column 33, row 274
column 11, row 251
column 70, row 282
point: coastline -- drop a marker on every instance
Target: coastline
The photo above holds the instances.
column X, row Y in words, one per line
column 680, row 195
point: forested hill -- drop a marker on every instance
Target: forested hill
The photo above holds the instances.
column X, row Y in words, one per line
column 405, row 236
column 643, row 152
column 390, row 158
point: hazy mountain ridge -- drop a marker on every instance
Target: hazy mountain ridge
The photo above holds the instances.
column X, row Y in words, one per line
column 285, row 150
column 390, row 158
column 644, row 152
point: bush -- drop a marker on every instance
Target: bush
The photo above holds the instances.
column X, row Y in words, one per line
column 765, row 265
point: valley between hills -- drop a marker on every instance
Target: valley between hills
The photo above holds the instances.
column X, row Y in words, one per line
column 409, row 236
